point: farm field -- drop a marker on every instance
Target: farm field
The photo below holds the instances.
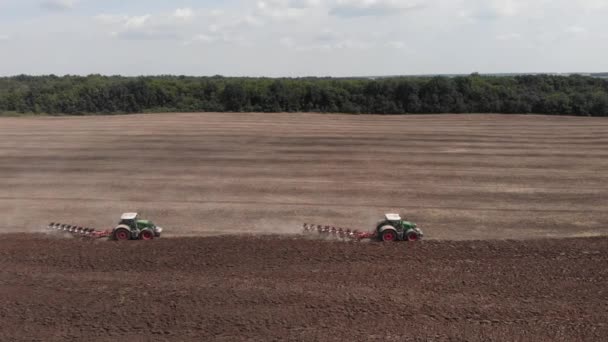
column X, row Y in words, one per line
column 514, row 209
column 281, row 289
column 458, row 176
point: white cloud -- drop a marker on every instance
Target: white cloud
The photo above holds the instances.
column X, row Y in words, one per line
column 286, row 4
column 363, row 8
column 508, row 36
column 327, row 35
column 241, row 23
column 216, row 13
column 136, row 22
column 536, row 9
column 218, row 38
column 108, row 19
column 287, row 42
column 141, row 27
column 494, row 9
column 184, row 13
column 308, row 37
column 396, row 45
column 351, row 44
column 304, row 3
column 232, row 30
column 285, row 9
column 576, row 29
column 326, row 40
column 58, row 5
column 505, row 8
column 592, row 4
column 213, row 26
column 204, row 38
column 167, row 26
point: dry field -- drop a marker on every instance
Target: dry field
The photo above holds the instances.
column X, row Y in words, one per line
column 458, row 177
column 515, row 208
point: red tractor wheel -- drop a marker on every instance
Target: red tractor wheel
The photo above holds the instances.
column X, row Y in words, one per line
column 122, row 234
column 146, row 235
column 412, row 236
column 389, row 235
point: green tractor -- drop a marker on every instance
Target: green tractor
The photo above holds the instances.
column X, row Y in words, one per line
column 391, row 228
column 394, row 228
column 131, row 227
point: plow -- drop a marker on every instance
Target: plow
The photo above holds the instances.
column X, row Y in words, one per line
column 391, row 228
column 130, row 227
column 78, row 230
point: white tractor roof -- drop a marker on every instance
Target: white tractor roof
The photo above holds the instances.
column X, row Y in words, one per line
column 128, row 216
column 393, row 217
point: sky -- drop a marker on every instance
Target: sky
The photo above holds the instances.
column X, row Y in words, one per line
column 291, row 38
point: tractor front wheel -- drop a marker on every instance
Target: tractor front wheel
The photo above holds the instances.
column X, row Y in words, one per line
column 412, row 236
column 389, row 235
column 122, row 234
column 146, row 235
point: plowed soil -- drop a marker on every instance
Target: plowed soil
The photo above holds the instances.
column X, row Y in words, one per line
column 278, row 289
column 514, row 208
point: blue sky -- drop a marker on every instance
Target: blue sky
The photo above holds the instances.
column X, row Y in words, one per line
column 302, row 37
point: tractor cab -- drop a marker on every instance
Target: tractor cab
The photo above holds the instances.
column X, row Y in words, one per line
column 133, row 221
column 398, row 222
column 129, row 220
column 393, row 218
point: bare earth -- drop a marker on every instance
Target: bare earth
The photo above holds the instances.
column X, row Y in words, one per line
column 538, row 183
column 271, row 289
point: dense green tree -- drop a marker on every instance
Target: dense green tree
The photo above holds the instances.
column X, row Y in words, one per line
column 543, row 94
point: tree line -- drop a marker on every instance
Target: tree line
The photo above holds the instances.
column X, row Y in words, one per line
column 96, row 94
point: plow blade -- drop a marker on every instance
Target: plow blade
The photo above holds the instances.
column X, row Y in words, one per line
column 79, row 230
column 337, row 232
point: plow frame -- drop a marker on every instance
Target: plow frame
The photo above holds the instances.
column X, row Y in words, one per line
column 79, row 231
column 343, row 233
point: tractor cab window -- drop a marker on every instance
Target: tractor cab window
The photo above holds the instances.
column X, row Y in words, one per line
column 129, row 223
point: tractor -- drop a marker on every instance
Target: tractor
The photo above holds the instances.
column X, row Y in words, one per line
column 130, row 227
column 391, row 228
column 394, row 228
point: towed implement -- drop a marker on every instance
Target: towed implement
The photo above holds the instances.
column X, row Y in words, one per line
column 391, row 228
column 130, row 227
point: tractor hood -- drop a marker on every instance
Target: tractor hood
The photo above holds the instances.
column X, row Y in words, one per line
column 409, row 224
column 145, row 223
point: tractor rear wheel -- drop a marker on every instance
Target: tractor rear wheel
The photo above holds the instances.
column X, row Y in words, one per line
column 122, row 234
column 389, row 235
column 146, row 234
